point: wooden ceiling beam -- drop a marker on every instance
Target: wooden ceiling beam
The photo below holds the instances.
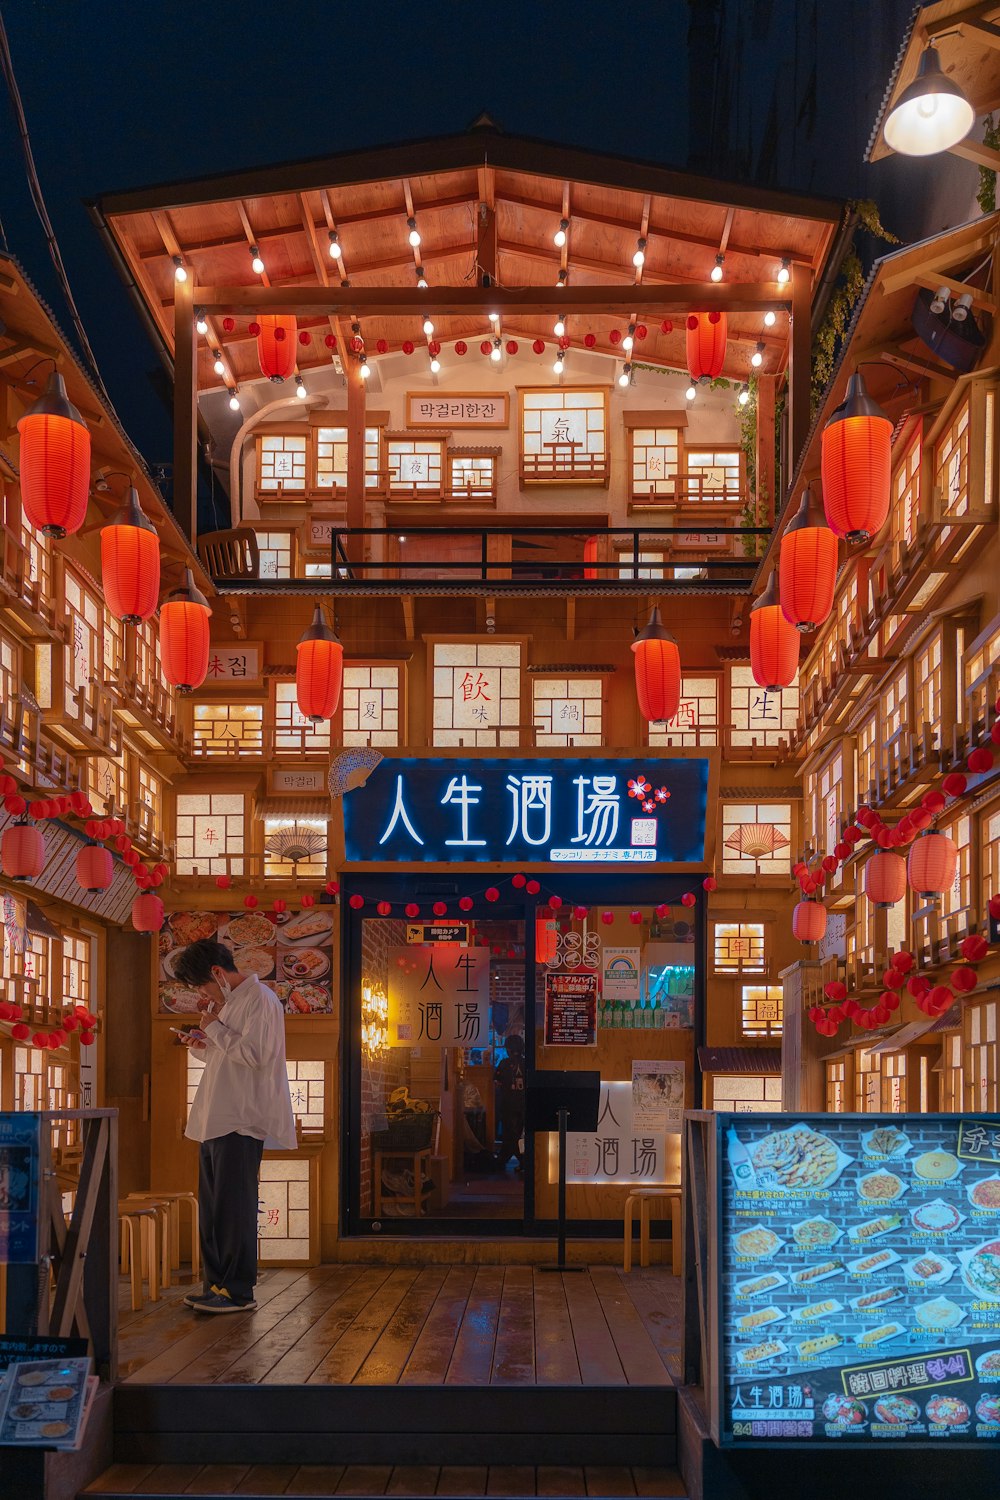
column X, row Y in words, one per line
column 980, row 299
column 24, row 346
column 213, row 337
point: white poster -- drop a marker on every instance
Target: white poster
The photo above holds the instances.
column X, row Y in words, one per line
column 657, row 1095
column 618, row 1151
column 439, row 995
column 621, row 973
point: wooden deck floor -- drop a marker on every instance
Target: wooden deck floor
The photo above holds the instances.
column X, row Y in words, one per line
column 430, row 1325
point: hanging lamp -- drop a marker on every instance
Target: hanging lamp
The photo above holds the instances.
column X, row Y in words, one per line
column 809, row 922
column 22, row 851
column 54, row 460
column 808, row 566
column 932, row 864
column 276, row 345
column 856, row 462
column 147, row 913
column 130, row 563
column 885, row 879
column 774, row 642
column 319, row 670
column 184, row 635
column 932, row 114
column 657, row 671
column 95, row 867
column 706, row 345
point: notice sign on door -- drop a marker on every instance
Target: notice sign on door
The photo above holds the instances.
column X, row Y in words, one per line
column 439, row 995
column 621, row 973
column 437, row 932
column 571, row 1010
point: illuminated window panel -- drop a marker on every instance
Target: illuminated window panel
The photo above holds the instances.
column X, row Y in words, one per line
column 745, row 1094
column 952, row 1073
column 281, row 464
column 12, row 931
column 283, row 1210
column 36, row 967
column 292, row 730
column 867, row 755
column 77, row 969
column 951, row 463
column 331, row 458
column 906, row 493
column 759, row 715
column 10, row 670
column 564, row 435
column 928, row 682
column 867, row 1082
column 981, row 1091
column 307, row 1087
column 713, row 474
column 477, row 693
column 275, row 554
column 94, row 651
column 309, row 838
column 958, row 897
column 738, row 948
column 107, row 781
column 989, row 844
column 472, row 476
column 646, row 565
column 228, row 729
column 655, row 461
column 150, row 799
column 568, row 710
column 39, row 561
column 761, row 1012
column 697, row 719
column 894, row 1083
column 980, row 676
column 148, row 671
column 371, row 710
column 195, row 1068
column 836, row 1086
column 416, row 466
column 61, row 1095
column 211, row 833
column 756, row 836
column 828, row 804
column 29, row 1078
column 895, row 700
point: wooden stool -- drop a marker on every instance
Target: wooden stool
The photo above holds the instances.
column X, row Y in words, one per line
column 416, row 1160
column 162, row 1211
column 644, row 1197
column 175, row 1202
column 137, row 1219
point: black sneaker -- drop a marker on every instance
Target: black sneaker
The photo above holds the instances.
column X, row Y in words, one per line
column 221, row 1302
column 193, row 1298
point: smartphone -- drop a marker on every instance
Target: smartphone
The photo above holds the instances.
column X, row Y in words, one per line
column 195, row 1033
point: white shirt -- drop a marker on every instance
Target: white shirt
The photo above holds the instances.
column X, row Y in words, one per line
column 244, row 1088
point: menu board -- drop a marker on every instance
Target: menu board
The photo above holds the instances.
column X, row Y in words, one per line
column 860, row 1278
column 291, row 952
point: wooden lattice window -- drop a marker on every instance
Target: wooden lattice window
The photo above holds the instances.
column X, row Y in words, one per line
column 94, row 652
column 38, row 549
column 836, row 1086
column 372, row 704
column 292, row 730
column 12, row 928
column 958, row 897
column 989, row 846
column 77, row 956
column 713, row 474
column 477, row 693
column 472, row 475
column 867, row 1081
column 331, row 459
column 745, row 1093
column 281, row 464
column 760, row 715
column 275, row 554
column 307, row 1087
column 697, row 719
column 981, row 675
column 655, row 458
column 893, row 1086
column 928, row 668
column 145, row 640
column 10, row 670
column 952, row 1073
column 568, row 710
column 756, row 837
column 29, row 1078
column 107, row 781
column 36, row 963
column 951, row 464
column 228, row 729
column 906, row 492
column 564, row 435
column 149, row 789
column 761, row 1010
column 828, row 804
column 980, row 1023
column 416, row 467
column 738, row 948
column 867, row 754
column 211, row 833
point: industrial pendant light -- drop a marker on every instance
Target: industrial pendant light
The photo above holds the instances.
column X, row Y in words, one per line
column 54, row 460
column 856, row 464
column 319, row 670
column 706, row 345
column 774, row 641
column 130, row 563
column 184, row 635
column 931, row 115
column 808, row 566
column 657, row 671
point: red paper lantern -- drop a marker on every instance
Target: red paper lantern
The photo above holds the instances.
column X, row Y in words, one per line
column 635, row 917
column 485, row 347
column 852, row 835
column 830, row 863
column 491, row 893
column 954, row 784
column 689, row 898
column 856, row 464
column 86, row 1038
column 384, row 908
column 407, row 346
column 465, row 903
column 809, row 922
column 147, row 913
column 532, row 887
column 581, row 912
column 519, row 881
column 356, row 902
column 932, row 863
column 843, row 850
column 95, row 867
column 893, row 979
column 440, row 909
column 590, row 556
column 308, row 899
column 22, row 851
column 666, row 326
column 903, row 961
column 964, row 979
column 657, row 671
column 332, row 887
column 54, row 460
column 20, row 1032
column 511, row 346
column 774, row 642
column 461, row 347
column 993, row 907
column 885, row 879
column 933, row 802
column 918, row 985
column 706, row 345
column 184, row 635
column 615, row 335
column 940, row 998
column 607, row 917
column 279, row 906
column 223, row 882
column 710, row 883
column 538, row 346
column 412, row 910
column 15, row 805
column 590, row 339
column 319, row 670
column 836, row 989
column 250, row 901
column 980, row 761
column 808, row 566
column 974, row 948
column 130, row 563
column 228, row 324
column 276, row 345
column 555, row 902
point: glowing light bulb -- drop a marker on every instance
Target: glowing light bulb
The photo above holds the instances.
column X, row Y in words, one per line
column 558, row 364
column 639, row 258
column 435, row 366
column 559, row 328
column 300, row 389
column 335, row 250
column 256, row 264
column 770, row 318
column 562, row 278
column 201, row 323
column 757, row 357
column 627, row 341
column 494, row 317
column 219, row 366
column 421, row 278
column 559, row 238
column 744, row 395
column 365, row 369
column 623, row 378
column 717, row 268
column 428, row 327
column 411, row 225
column 783, row 272
column 690, row 393
column 180, row 270
column 234, row 401
column 495, row 352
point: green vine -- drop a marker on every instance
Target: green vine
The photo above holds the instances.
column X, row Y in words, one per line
column 987, row 194
column 843, row 300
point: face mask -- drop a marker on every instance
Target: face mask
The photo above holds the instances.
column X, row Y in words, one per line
column 224, row 985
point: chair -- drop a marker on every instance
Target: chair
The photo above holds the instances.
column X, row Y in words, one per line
column 175, row 1201
column 230, row 554
column 644, row 1198
column 139, row 1245
column 162, row 1211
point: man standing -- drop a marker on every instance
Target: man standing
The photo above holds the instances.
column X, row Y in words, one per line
column 509, row 1079
column 242, row 1105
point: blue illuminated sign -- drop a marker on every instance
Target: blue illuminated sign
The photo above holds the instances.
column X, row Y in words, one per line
column 520, row 811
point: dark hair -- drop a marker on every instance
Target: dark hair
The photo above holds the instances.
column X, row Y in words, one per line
column 195, row 963
column 514, row 1044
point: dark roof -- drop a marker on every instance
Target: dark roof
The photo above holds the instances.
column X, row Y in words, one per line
column 739, row 1059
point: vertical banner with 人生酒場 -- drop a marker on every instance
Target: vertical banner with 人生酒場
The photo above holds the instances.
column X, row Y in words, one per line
column 439, row 995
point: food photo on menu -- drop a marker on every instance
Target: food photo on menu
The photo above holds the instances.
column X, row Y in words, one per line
column 860, row 1278
column 291, row 952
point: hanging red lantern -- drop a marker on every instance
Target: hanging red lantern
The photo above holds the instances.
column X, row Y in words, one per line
column 411, row 910
column 465, row 903
column 964, row 979
column 615, row 335
column 250, row 901
column 974, row 948
column 276, row 345
column 440, row 909
column 932, row 863
column 356, row 902
column 538, row 346
column 980, row 761
column 856, row 463
column 130, row 563
column 22, row 851
column 706, row 345
column 223, row 882
column 511, row 346
column 590, row 557
column 15, row 805
column 319, row 670
column 485, row 346
column 808, row 566
column 519, row 881
column 710, row 884
column 635, row 917
column 666, row 326
column 407, row 346
column 461, row 347
column 590, row 339
column 774, row 642
column 689, row 898
column 384, row 908
column 607, row 917
column 184, row 635
column 491, row 893
column 657, row 671
column 546, row 940
column 835, row 989
column 809, row 922
column 147, row 913
column 954, row 784
column 885, row 879
column 940, row 998
column 95, row 867
column 581, row 913
column 532, row 887
column 54, row 460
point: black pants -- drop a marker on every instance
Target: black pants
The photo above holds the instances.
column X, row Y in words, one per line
column 227, row 1202
column 511, row 1127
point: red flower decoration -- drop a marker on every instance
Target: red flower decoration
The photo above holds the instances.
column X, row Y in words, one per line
column 640, row 787
column 661, row 794
column 461, row 347
column 649, row 806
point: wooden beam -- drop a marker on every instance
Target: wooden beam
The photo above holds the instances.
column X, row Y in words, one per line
column 185, row 412
column 957, row 289
column 764, row 444
column 24, row 346
column 984, row 31
column 983, row 156
column 799, row 365
column 411, row 302
column 355, row 488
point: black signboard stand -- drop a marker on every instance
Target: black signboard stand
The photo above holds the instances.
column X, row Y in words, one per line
column 562, row 1101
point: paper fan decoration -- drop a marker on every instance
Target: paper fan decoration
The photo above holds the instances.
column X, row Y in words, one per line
column 294, row 843
column 756, row 840
column 351, row 769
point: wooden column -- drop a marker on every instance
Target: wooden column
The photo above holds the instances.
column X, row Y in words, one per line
column 799, row 364
column 185, row 411
column 355, row 452
column 764, row 446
